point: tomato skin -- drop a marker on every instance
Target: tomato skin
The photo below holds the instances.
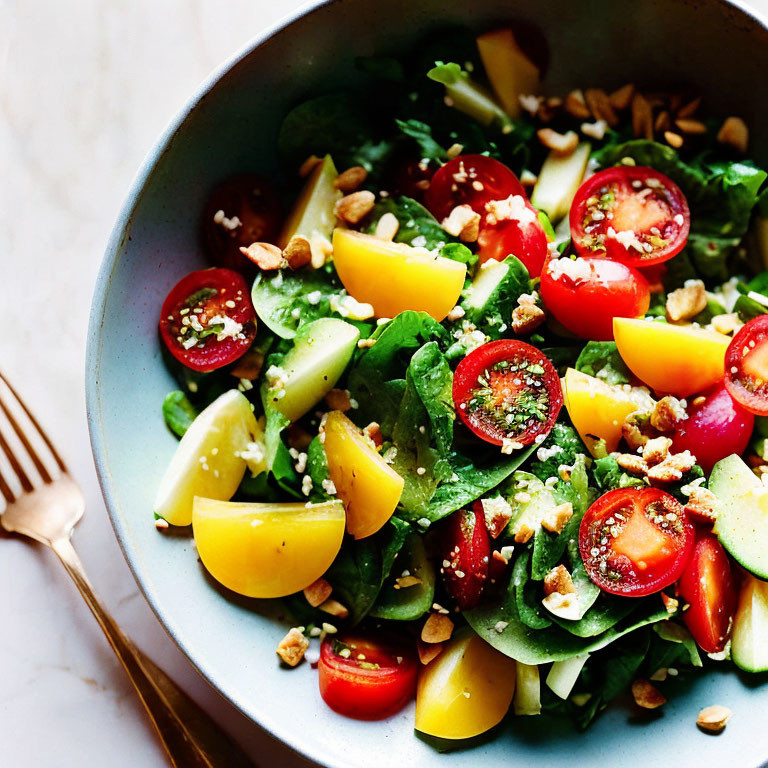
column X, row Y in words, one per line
column 587, row 307
column 367, row 694
column 526, row 240
column 708, row 585
column 409, row 177
column 651, row 211
column 743, row 384
column 256, row 204
column 642, row 557
column 470, row 180
column 714, row 429
column 467, row 550
column 478, row 362
column 229, row 286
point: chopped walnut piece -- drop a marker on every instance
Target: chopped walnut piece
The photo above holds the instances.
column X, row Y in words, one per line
column 497, row 512
column 686, row 302
column 642, row 117
column 524, row 533
column 309, row 165
column 646, row 695
column 298, row 252
column 559, row 580
column 318, row 592
column 672, row 468
column 351, row 179
column 248, row 366
column 560, row 143
column 338, row 400
column 373, row 433
column 726, row 324
column 526, row 318
column 702, row 505
column 656, row 450
column 637, row 465
column 387, row 227
column 264, row 255
column 428, row 651
column 353, row 208
column 600, row 106
column 667, row 413
column 564, row 606
column 335, row 608
column 576, row 106
column 632, row 432
column 292, row 647
column 734, row 133
column 621, row 98
column 437, row 628
column 462, row 222
column 714, row 718
column 555, row 519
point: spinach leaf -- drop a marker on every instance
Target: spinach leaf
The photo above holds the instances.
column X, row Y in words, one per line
column 317, row 469
column 602, row 360
column 459, row 252
column 418, row 226
column 422, row 134
column 564, row 437
column 677, row 633
column 178, row 412
column 278, row 458
column 606, row 612
column 609, row 475
column 529, row 607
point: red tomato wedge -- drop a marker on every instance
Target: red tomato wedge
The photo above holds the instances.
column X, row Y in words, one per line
column 207, row 320
column 466, row 555
column 507, row 392
column 512, row 226
column 746, row 366
column 470, row 180
column 630, row 214
column 364, row 679
column 709, row 587
column 243, row 210
column 715, row 428
column 585, row 294
column 635, row 541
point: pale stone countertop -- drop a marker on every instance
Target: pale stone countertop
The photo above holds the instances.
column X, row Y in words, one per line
column 86, row 87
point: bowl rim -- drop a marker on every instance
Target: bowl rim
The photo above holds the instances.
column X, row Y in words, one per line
column 288, row 736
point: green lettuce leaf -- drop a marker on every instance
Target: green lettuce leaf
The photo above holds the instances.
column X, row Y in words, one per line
column 602, row 360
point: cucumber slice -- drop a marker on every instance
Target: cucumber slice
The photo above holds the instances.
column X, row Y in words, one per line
column 409, row 603
column 558, row 181
column 749, row 641
column 564, row 674
column 488, row 278
column 528, row 690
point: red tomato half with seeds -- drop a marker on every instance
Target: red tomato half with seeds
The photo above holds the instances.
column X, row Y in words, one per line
column 635, row 541
column 631, row 214
column 243, row 210
column 507, row 392
column 708, row 585
column 207, row 320
column 746, row 366
column 512, row 227
column 585, row 294
column 472, row 180
column 364, row 679
column 466, row 555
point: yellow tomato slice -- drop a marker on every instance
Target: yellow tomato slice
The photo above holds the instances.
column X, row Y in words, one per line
column 394, row 277
column 267, row 550
column 680, row 360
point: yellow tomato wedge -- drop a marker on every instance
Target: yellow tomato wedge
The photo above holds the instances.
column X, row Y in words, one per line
column 465, row 691
column 393, row 277
column 267, row 550
column 679, row 360
column 598, row 410
column 368, row 486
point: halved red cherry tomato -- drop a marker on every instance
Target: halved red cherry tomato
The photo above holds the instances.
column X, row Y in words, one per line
column 709, row 586
column 507, row 392
column 467, row 552
column 243, row 210
column 585, row 294
column 635, row 541
column 471, row 180
column 715, row 428
column 631, row 214
column 364, row 679
column 512, row 226
column 207, row 319
column 746, row 366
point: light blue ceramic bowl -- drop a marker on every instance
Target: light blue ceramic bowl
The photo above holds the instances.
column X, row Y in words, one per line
column 229, row 126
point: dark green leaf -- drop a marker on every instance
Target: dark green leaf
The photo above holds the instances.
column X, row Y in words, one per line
column 429, row 149
column 418, row 226
column 602, row 359
column 178, row 412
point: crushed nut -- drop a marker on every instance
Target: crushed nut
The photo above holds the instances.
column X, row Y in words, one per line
column 403, row 582
column 734, row 133
column 264, row 255
column 673, row 139
column 338, row 400
column 667, row 413
column 670, row 603
column 559, row 580
column 693, row 127
column 318, row 592
column 298, row 252
column 497, row 512
column 161, row 524
column 656, row 450
column 595, row 130
column 621, row 98
column 292, row 647
column 437, row 628
column 454, row 151
column 387, row 227
column 702, row 505
column 632, row 433
column 672, row 468
column 455, row 314
column 524, row 533
column 428, row 651
column 576, row 106
column 600, row 106
column 526, row 318
column 632, row 463
column 353, row 208
column 309, row 165
column 564, row 606
column 555, row 519
column 642, row 117
column 646, row 695
column 462, row 222
column 686, row 302
column 560, row 143
column 351, row 179
column 726, row 324
column 660, row 675
column 248, row 366
column 714, row 718
column 373, row 433
column 530, row 103
column 335, row 608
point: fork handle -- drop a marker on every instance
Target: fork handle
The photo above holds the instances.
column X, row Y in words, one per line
column 189, row 735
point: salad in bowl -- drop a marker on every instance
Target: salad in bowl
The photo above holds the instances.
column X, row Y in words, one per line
column 478, row 391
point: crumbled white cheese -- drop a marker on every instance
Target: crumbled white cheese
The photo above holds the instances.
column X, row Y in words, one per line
column 513, row 208
column 306, row 485
column 628, row 239
column 576, row 270
column 348, row 306
column 230, row 327
column 496, row 507
column 314, row 297
column 547, row 453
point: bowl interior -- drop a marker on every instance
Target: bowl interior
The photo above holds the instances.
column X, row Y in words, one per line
column 231, row 127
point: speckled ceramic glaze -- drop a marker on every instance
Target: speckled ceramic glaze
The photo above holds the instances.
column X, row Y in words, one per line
column 230, row 125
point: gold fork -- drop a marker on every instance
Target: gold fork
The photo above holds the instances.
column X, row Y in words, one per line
column 43, row 502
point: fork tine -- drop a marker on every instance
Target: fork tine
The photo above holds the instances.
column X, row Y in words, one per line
column 26, row 484
column 5, row 490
